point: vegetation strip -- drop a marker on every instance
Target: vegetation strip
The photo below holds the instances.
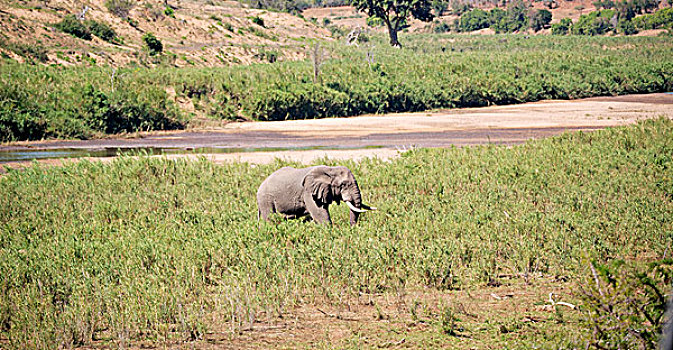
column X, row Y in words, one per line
column 157, row 250
column 432, row 71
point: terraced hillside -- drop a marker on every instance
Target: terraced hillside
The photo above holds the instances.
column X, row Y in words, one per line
column 193, row 32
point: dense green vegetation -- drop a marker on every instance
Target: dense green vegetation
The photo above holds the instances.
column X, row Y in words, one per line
column 517, row 17
column 38, row 102
column 433, row 71
column 609, row 20
column 151, row 248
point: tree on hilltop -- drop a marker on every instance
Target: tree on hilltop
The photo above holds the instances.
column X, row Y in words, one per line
column 394, row 13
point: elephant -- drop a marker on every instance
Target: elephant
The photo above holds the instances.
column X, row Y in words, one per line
column 296, row 193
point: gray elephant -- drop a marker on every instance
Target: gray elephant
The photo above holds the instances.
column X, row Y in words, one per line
column 295, row 193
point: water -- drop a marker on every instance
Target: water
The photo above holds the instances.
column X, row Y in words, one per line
column 29, row 155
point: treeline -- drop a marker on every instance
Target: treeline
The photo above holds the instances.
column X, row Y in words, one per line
column 614, row 20
column 517, row 16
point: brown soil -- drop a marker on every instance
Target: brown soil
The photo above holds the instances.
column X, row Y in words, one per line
column 488, row 317
column 197, row 34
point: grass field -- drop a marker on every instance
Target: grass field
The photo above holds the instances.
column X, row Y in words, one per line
column 155, row 250
column 432, row 71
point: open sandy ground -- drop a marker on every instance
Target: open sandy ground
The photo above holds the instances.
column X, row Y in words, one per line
column 382, row 136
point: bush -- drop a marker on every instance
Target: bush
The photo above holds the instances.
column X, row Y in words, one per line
column 440, row 6
column 563, row 27
column 594, row 23
column 514, row 19
column 660, row 19
column 474, row 20
column 442, row 27
column 268, row 56
column 168, row 11
column 101, row 30
column 540, row 19
column 71, row 25
column 258, row 21
column 496, row 15
column 120, row 8
column 626, row 27
column 153, row 44
column 624, row 305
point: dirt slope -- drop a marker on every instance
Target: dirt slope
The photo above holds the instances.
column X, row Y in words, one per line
column 200, row 32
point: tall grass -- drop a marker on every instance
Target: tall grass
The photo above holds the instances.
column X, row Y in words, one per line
column 433, row 71
column 160, row 249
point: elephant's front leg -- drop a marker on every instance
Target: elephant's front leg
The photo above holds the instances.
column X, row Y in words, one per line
column 320, row 214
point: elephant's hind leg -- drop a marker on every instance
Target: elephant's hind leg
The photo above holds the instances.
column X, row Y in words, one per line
column 265, row 208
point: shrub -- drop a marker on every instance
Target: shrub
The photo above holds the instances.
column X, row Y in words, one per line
column 514, row 19
column 540, row 19
column 439, row 6
column 168, row 11
column 442, row 27
column 101, row 30
column 624, row 305
column 563, row 27
column 660, row 19
column 474, row 20
column 496, row 15
column 153, row 44
column 71, row 25
column 626, row 27
column 120, row 8
column 258, row 21
column 594, row 23
column 268, row 56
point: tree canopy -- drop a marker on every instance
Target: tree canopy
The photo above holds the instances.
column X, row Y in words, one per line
column 394, row 13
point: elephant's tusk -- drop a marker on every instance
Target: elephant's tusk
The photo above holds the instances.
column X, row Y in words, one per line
column 365, row 206
column 353, row 208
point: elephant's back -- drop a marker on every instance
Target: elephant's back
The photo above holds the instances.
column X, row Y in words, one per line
column 283, row 179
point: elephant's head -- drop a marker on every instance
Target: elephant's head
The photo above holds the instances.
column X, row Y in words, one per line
column 335, row 184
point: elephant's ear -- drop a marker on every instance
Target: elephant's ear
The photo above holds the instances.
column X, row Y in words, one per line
column 319, row 183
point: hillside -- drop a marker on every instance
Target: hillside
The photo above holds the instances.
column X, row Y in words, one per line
column 193, row 32
column 202, row 33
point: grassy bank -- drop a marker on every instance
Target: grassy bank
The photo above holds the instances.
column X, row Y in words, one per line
column 157, row 249
column 433, row 71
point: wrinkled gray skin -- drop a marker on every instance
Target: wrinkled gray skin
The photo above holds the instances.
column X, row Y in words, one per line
column 295, row 193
